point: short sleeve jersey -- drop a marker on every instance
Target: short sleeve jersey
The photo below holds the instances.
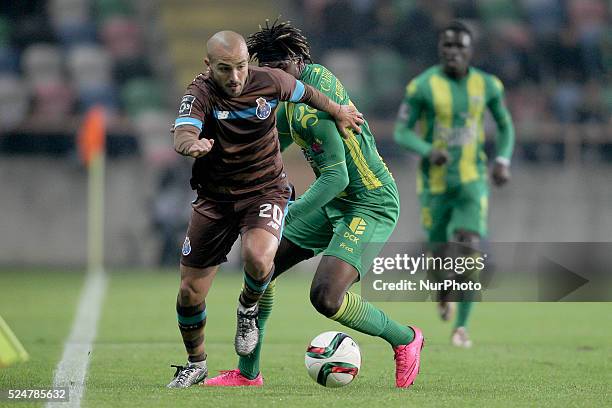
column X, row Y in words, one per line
column 245, row 157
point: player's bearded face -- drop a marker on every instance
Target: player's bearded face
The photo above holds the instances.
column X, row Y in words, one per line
column 455, row 51
column 230, row 73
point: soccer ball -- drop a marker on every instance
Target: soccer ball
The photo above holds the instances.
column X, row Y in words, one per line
column 333, row 359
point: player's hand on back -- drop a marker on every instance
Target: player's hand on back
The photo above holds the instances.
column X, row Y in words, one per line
column 439, row 157
column 201, row 147
column 500, row 174
column 348, row 119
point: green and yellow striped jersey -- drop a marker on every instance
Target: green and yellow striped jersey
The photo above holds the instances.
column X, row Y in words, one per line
column 450, row 114
column 316, row 134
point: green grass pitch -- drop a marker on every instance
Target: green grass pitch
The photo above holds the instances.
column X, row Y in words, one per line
column 525, row 354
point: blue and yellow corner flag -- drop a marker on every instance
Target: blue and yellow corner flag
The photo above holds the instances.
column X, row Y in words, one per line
column 11, row 350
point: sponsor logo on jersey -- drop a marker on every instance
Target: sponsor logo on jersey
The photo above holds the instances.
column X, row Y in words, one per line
column 186, row 247
column 358, row 225
column 316, row 147
column 477, row 99
column 263, row 108
column 456, row 136
column 308, row 156
column 346, row 247
column 351, row 237
column 186, row 105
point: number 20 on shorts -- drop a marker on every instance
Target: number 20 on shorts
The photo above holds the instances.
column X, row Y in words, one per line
column 274, row 211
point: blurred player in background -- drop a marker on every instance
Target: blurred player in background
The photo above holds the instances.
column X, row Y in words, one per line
column 449, row 102
column 227, row 122
column 346, row 214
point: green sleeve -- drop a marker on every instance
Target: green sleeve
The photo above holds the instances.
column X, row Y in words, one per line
column 505, row 129
column 282, row 126
column 328, row 156
column 409, row 112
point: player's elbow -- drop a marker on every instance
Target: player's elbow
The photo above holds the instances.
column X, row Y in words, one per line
column 342, row 178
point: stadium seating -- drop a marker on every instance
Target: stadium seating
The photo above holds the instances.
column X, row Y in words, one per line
column 41, row 63
column 71, row 21
column 53, row 100
column 140, row 95
column 13, row 101
column 67, row 56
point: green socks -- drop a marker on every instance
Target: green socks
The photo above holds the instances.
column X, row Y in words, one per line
column 355, row 313
column 366, row 318
column 249, row 365
column 463, row 313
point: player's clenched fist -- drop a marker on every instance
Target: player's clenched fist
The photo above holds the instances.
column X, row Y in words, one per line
column 439, row 157
column 200, row 148
column 500, row 174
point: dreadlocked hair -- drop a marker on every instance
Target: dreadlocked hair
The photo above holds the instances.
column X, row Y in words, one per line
column 278, row 41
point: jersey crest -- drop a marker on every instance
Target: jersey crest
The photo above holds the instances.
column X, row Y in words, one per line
column 316, row 147
column 263, row 109
column 186, row 247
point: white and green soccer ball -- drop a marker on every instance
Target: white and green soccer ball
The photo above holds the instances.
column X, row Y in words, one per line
column 333, row 359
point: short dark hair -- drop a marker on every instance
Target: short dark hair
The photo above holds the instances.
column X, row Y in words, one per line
column 458, row 27
column 278, row 41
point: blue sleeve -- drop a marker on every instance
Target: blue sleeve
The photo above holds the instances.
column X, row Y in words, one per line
column 191, row 111
column 298, row 92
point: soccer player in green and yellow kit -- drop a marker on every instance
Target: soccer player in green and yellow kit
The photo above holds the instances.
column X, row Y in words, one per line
column 345, row 215
column 448, row 101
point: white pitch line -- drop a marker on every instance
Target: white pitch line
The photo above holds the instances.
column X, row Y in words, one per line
column 71, row 371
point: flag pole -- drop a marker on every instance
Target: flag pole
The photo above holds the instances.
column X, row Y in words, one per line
column 95, row 210
column 11, row 350
column 91, row 143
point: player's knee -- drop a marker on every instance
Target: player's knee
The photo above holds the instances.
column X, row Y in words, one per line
column 466, row 237
column 468, row 242
column 258, row 263
column 188, row 293
column 325, row 301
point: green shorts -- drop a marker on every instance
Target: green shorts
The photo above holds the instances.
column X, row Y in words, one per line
column 461, row 208
column 353, row 228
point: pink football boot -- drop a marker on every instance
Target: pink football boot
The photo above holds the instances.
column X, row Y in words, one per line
column 408, row 360
column 233, row 378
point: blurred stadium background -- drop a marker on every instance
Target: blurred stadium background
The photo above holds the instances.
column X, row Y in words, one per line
column 58, row 58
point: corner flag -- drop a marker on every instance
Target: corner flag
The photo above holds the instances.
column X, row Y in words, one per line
column 11, row 350
column 91, row 145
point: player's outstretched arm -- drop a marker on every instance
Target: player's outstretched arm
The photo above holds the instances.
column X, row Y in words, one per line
column 505, row 135
column 347, row 117
column 187, row 142
column 409, row 112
